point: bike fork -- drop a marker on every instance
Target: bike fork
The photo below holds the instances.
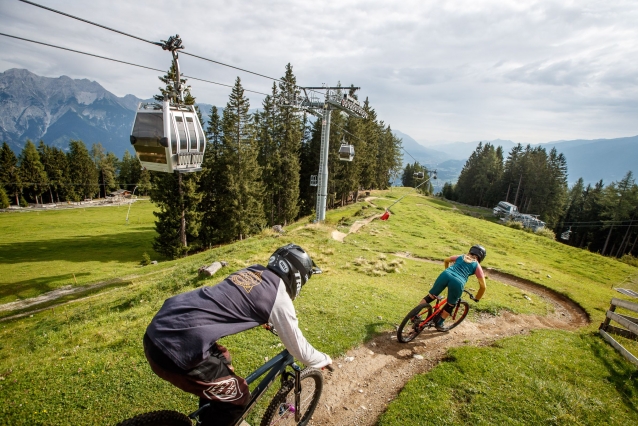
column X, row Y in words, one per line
column 297, row 392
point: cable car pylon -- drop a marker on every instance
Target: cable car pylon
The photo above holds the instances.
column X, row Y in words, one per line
column 168, row 137
column 334, row 99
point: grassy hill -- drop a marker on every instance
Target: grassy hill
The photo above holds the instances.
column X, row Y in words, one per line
column 83, row 363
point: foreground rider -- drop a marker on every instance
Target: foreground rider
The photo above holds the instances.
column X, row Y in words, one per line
column 454, row 278
column 181, row 341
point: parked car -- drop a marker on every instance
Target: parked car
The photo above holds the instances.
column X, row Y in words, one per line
column 505, row 209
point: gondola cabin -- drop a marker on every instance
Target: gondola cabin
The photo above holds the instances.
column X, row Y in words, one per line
column 168, row 138
column 346, row 152
column 418, row 175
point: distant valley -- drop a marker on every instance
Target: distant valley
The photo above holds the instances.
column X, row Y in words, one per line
column 593, row 160
column 56, row 110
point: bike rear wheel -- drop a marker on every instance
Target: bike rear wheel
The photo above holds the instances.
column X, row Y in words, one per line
column 281, row 410
column 457, row 317
column 158, row 418
column 409, row 327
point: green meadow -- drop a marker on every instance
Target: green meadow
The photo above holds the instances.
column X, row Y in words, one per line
column 44, row 250
column 83, row 363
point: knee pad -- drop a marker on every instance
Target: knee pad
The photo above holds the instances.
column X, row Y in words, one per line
column 449, row 308
column 429, row 298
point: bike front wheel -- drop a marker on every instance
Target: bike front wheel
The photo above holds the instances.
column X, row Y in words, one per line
column 458, row 315
column 158, row 418
column 281, row 410
column 410, row 326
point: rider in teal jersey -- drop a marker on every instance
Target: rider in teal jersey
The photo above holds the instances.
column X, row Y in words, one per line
column 454, row 278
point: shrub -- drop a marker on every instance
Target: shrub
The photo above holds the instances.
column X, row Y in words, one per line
column 146, row 259
column 514, row 224
column 547, row 233
column 4, row 199
column 23, row 202
column 630, row 260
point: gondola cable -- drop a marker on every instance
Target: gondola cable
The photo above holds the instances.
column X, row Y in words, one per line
column 151, row 42
column 123, row 62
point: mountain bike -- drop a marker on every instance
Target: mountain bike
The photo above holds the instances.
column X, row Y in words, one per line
column 293, row 404
column 421, row 317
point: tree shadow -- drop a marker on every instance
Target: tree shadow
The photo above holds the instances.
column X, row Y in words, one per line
column 38, row 285
column 120, row 247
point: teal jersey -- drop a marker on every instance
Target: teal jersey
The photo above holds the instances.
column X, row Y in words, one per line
column 462, row 269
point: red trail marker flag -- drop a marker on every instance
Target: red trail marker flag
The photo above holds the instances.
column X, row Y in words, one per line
column 385, row 215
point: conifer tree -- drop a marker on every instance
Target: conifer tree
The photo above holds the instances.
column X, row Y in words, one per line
column 309, row 159
column 287, row 198
column 366, row 156
column 82, row 172
column 241, row 207
column 9, row 176
column 129, row 171
column 107, row 165
column 32, row 172
column 269, row 126
column 176, row 195
column 4, row 200
column 212, row 183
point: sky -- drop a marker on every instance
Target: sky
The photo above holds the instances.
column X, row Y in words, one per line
column 439, row 71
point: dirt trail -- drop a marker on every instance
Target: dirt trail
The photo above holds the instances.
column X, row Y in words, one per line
column 372, row 375
column 339, row 236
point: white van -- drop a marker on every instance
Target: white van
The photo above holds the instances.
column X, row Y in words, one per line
column 505, row 209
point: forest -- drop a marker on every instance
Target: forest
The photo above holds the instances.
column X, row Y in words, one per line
column 601, row 218
column 256, row 171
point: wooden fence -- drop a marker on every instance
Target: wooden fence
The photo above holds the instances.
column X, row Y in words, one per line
column 630, row 323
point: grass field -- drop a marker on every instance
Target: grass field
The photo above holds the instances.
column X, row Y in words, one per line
column 41, row 251
column 83, row 362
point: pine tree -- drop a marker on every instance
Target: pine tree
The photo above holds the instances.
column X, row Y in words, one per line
column 287, row 198
column 107, row 165
column 130, row 171
column 59, row 173
column 241, row 207
column 9, row 176
column 269, row 128
column 212, row 183
column 177, row 196
column 32, row 172
column 4, row 200
column 82, row 171
column 309, row 165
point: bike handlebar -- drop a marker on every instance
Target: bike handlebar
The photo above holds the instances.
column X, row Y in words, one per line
column 471, row 295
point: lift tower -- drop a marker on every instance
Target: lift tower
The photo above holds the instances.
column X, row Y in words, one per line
column 334, row 99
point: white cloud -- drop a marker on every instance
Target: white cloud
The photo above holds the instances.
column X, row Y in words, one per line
column 456, row 70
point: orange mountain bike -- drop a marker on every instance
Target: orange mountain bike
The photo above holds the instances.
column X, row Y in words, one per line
column 421, row 317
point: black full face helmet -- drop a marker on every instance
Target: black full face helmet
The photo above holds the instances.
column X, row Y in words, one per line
column 294, row 266
column 479, row 252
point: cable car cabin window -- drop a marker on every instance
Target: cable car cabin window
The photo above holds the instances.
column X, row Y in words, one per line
column 173, row 138
column 181, row 130
column 202, row 140
column 148, row 128
column 191, row 133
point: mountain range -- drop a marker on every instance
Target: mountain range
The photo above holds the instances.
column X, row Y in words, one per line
column 56, row 110
column 593, row 160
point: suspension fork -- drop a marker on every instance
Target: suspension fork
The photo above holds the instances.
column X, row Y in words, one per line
column 297, row 392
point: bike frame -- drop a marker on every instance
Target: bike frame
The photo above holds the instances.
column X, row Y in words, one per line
column 439, row 307
column 275, row 367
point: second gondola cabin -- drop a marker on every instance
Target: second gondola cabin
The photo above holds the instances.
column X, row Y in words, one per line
column 168, row 137
column 346, row 152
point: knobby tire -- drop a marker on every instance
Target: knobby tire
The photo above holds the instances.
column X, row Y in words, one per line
column 278, row 411
column 405, row 335
column 158, row 418
column 460, row 315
